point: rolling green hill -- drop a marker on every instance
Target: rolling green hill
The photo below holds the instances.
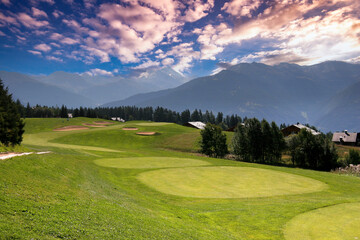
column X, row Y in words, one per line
column 110, row 183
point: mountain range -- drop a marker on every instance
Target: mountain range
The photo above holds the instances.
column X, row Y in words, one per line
column 326, row 95
column 74, row 90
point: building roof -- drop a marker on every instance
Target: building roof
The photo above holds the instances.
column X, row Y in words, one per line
column 313, row 132
column 300, row 126
column 198, row 125
column 345, row 137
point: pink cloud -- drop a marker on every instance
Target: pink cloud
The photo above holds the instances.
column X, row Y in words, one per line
column 69, row 41
column 43, row 47
column 57, row 13
column 6, row 2
column 30, row 22
column 38, row 13
column 34, row 52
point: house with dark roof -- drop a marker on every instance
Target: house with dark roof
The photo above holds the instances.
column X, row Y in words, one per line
column 346, row 138
column 295, row 129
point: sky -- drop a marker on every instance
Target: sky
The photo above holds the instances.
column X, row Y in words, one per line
column 194, row 37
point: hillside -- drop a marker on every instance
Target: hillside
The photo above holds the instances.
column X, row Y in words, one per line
column 284, row 93
column 110, row 183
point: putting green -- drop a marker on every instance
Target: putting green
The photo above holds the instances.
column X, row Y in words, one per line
column 153, row 124
column 336, row 222
column 228, row 182
column 149, row 162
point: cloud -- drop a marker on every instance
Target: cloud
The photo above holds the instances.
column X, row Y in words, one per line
column 147, row 64
column 104, row 56
column 52, row 58
column 69, row 41
column 36, row 2
column 7, row 20
column 34, row 52
column 304, row 32
column 97, row 71
column 56, row 36
column 6, row 2
column 185, row 55
column 38, row 13
column 240, row 8
column 197, row 10
column 43, row 47
column 30, row 22
column 167, row 61
column 57, row 13
column 2, row 34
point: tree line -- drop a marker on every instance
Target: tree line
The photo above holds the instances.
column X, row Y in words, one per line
column 260, row 142
column 130, row 113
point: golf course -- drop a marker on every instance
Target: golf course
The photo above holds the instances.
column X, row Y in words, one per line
column 101, row 179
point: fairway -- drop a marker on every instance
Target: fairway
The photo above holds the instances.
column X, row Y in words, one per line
column 335, row 222
column 107, row 183
column 228, row 182
column 149, row 162
column 151, row 124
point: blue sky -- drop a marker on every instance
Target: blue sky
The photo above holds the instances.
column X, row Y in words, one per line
column 195, row 38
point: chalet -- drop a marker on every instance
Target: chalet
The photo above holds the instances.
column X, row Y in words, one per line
column 198, row 125
column 295, row 129
column 346, row 138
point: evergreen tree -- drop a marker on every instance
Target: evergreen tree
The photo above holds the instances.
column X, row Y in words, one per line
column 213, row 142
column 185, row 116
column 63, row 112
column 240, row 143
column 11, row 125
column 219, row 118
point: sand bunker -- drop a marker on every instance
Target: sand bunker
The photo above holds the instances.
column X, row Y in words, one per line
column 130, row 128
column 70, row 128
column 146, row 133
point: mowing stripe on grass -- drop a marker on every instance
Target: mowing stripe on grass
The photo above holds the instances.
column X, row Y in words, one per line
column 335, row 222
column 153, row 124
column 228, row 182
column 149, row 162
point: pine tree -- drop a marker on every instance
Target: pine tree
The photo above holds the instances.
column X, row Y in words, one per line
column 213, row 142
column 11, row 125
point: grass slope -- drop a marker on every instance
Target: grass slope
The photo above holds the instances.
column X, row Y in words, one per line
column 66, row 195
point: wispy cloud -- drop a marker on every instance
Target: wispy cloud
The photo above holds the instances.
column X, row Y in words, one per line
column 43, row 47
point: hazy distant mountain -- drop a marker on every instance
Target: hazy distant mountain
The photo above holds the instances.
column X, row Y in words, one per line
column 29, row 90
column 123, row 87
column 69, row 81
column 87, row 90
column 284, row 93
column 342, row 111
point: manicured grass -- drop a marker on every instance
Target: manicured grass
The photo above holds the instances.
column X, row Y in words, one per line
column 228, row 182
column 149, row 162
column 150, row 124
column 64, row 194
column 341, row 221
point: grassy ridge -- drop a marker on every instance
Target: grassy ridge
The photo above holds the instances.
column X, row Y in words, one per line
column 66, row 195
